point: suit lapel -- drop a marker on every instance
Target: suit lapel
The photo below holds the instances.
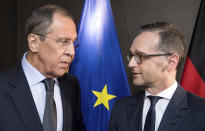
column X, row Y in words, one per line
column 176, row 111
column 135, row 112
column 23, row 101
column 67, row 111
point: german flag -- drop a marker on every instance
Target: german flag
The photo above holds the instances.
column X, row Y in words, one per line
column 193, row 78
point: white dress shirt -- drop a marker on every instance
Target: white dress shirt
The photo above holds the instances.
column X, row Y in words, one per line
column 160, row 106
column 37, row 87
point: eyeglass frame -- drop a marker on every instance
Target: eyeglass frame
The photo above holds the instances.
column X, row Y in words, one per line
column 143, row 56
column 62, row 41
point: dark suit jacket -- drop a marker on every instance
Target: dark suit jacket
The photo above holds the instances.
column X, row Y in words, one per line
column 185, row 112
column 18, row 111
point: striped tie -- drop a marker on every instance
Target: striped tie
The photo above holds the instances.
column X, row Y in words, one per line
column 50, row 115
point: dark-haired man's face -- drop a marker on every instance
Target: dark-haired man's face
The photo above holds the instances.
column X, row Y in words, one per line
column 54, row 56
column 151, row 70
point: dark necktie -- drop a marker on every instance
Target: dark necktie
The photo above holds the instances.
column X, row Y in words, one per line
column 50, row 116
column 151, row 115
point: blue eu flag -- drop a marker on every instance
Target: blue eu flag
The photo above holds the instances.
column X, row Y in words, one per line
column 98, row 64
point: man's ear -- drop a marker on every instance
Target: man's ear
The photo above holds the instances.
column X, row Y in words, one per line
column 173, row 61
column 33, row 42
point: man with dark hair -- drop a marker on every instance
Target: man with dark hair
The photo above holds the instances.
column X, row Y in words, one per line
column 38, row 94
column 154, row 58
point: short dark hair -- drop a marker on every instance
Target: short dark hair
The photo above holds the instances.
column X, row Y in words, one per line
column 171, row 38
column 41, row 19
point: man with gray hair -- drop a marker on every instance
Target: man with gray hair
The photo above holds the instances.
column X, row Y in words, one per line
column 38, row 94
column 154, row 58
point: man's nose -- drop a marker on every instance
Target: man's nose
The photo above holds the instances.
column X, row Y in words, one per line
column 70, row 50
column 132, row 63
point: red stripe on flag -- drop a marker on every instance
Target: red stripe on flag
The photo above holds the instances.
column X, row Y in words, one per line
column 191, row 80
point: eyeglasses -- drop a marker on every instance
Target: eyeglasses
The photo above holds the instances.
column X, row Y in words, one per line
column 140, row 57
column 62, row 42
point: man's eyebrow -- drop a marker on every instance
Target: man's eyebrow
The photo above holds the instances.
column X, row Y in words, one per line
column 61, row 37
column 65, row 38
column 136, row 51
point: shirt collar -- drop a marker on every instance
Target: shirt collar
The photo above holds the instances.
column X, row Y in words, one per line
column 33, row 76
column 167, row 93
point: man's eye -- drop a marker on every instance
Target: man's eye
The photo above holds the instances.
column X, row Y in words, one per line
column 131, row 55
column 63, row 41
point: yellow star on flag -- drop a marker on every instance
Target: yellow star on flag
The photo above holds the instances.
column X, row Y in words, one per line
column 103, row 97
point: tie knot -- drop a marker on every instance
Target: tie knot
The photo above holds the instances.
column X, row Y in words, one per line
column 154, row 99
column 49, row 84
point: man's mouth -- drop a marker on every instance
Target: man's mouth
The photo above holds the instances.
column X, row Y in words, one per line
column 64, row 64
column 136, row 74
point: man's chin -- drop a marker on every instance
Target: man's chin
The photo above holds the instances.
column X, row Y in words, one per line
column 60, row 73
column 137, row 82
